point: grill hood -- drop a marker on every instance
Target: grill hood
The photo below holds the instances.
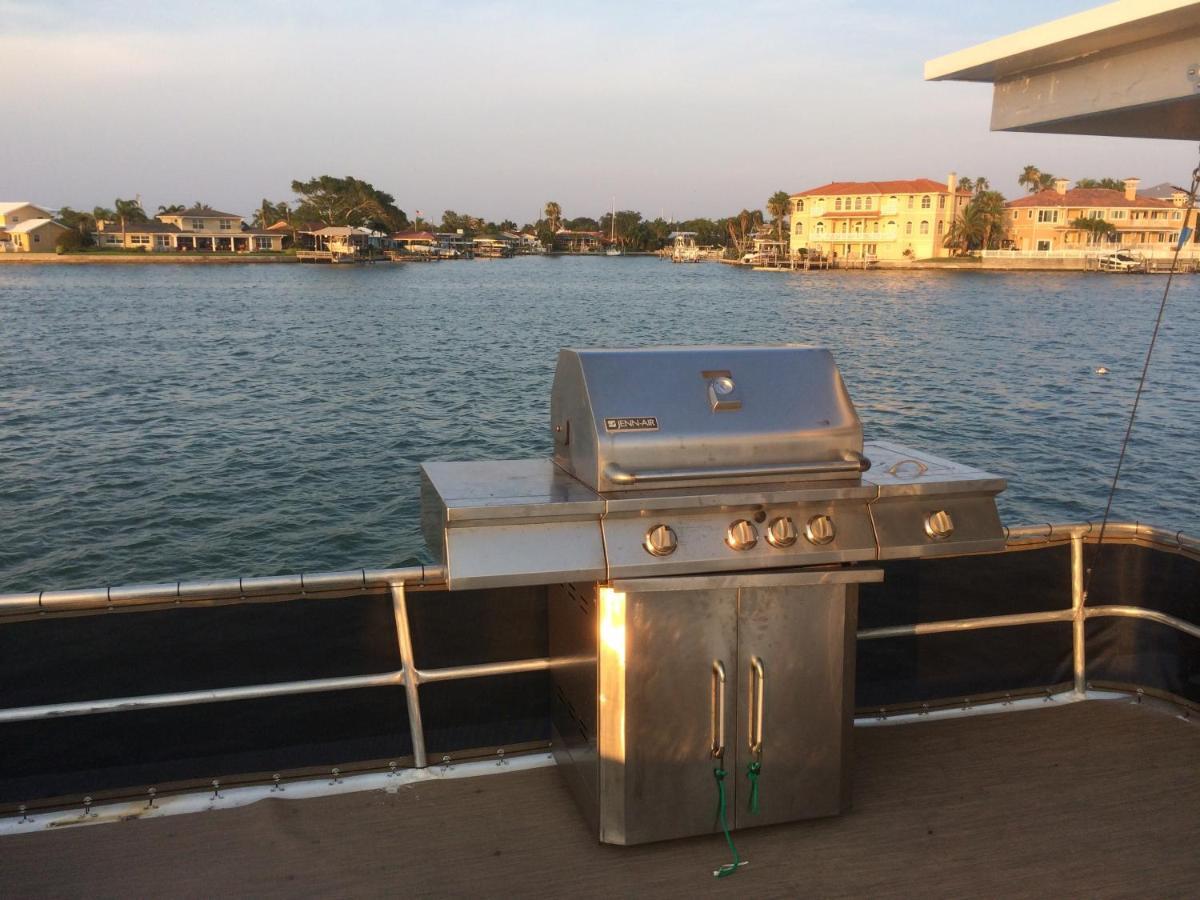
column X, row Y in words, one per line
column 701, row 416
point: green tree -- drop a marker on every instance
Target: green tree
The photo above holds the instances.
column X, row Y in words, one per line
column 966, row 184
column 1096, row 229
column 553, row 216
column 1034, row 179
column 778, row 205
column 1112, row 184
column 171, row 209
column 583, row 223
column 625, row 228
column 741, row 228
column 347, row 201
column 269, row 213
column 979, row 225
column 82, row 223
column 128, row 211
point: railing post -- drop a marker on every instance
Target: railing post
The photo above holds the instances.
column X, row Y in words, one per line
column 412, row 678
column 1079, row 614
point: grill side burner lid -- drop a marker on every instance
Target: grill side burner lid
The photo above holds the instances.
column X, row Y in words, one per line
column 701, row 416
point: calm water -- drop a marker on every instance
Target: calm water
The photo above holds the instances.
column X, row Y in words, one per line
column 173, row 422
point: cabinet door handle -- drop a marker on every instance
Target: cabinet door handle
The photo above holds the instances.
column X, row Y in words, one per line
column 758, row 690
column 718, row 709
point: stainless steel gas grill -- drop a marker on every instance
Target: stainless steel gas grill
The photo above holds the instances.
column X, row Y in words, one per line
column 703, row 526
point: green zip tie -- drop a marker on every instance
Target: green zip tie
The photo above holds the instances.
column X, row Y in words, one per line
column 729, row 868
column 752, row 771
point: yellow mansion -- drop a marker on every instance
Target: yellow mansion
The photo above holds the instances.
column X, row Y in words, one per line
column 885, row 220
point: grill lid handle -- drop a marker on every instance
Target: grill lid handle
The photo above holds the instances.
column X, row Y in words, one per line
column 853, row 466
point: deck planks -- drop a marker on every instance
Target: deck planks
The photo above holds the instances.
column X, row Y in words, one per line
column 1096, row 799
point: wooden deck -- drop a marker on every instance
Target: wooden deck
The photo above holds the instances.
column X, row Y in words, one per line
column 1094, row 799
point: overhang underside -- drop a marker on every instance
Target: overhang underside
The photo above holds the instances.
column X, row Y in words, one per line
column 1172, row 119
column 1139, row 76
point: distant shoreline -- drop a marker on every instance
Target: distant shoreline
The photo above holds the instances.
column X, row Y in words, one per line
column 78, row 259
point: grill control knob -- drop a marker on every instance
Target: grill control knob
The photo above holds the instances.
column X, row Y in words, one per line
column 819, row 530
column 741, row 535
column 782, row 532
column 939, row 525
column 661, row 540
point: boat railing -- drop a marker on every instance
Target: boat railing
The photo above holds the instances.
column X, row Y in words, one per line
column 399, row 582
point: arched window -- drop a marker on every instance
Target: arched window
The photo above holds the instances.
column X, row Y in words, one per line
column 911, row 200
column 875, row 227
column 941, row 224
column 924, row 228
column 858, row 202
column 908, row 227
column 941, row 201
column 891, row 227
column 799, row 228
column 799, row 206
column 837, row 204
column 867, row 203
column 820, row 228
column 925, row 202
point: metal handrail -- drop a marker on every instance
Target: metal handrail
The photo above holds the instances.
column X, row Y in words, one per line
column 225, row 590
column 411, row 678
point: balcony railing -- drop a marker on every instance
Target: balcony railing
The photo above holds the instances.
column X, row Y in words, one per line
column 849, row 237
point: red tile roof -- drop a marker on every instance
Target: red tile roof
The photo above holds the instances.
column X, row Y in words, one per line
column 913, row 186
column 1088, row 197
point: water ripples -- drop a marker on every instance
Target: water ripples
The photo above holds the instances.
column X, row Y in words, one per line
column 174, row 422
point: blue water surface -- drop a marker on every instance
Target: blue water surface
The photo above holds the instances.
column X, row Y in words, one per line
column 175, row 422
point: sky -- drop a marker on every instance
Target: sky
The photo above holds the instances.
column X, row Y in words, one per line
column 494, row 108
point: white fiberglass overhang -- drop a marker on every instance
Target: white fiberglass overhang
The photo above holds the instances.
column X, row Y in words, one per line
column 1125, row 69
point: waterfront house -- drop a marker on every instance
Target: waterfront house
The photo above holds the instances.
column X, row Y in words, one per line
column 14, row 213
column 210, row 229
column 149, row 235
column 196, row 229
column 34, row 236
column 881, row 220
column 1045, row 221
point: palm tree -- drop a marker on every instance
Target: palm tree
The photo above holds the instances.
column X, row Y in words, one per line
column 1034, row 179
column 553, row 215
column 778, row 205
column 128, row 211
column 990, row 207
column 171, row 209
column 981, row 184
column 966, row 184
column 966, row 231
column 1096, row 229
column 979, row 225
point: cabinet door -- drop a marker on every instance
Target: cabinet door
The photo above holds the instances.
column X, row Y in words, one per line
column 663, row 650
column 795, row 700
